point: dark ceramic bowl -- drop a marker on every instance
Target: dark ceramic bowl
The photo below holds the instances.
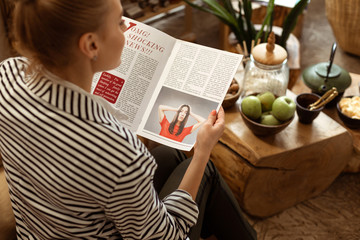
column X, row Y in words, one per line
column 302, row 102
column 261, row 129
column 348, row 121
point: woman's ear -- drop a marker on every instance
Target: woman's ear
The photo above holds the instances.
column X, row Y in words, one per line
column 89, row 45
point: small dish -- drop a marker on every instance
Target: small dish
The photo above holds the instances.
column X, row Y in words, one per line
column 230, row 99
column 348, row 121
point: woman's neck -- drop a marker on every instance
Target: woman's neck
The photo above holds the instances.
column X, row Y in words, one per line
column 79, row 74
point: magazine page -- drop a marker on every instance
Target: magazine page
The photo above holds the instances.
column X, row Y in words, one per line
column 194, row 82
column 129, row 87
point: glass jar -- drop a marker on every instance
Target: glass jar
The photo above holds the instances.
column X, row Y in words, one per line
column 260, row 78
column 267, row 69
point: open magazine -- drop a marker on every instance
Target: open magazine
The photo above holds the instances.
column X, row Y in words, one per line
column 159, row 75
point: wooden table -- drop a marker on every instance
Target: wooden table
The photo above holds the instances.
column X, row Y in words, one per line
column 270, row 174
column 354, row 89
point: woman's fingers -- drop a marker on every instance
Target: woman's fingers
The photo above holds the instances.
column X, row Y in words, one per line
column 211, row 130
column 220, row 116
column 212, row 117
column 217, row 120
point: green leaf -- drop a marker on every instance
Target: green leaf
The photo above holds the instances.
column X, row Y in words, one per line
column 216, row 7
column 240, row 36
column 229, row 7
column 267, row 20
column 225, row 18
column 249, row 25
column 291, row 20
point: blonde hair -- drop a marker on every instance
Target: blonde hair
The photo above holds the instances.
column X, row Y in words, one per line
column 46, row 31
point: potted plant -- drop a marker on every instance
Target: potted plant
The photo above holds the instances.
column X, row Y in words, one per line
column 240, row 21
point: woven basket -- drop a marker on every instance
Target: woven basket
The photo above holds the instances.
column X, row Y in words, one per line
column 344, row 18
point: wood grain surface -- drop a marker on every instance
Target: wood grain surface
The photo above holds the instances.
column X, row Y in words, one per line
column 354, row 89
column 270, row 174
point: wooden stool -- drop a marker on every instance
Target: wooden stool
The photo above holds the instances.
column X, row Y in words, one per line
column 270, row 174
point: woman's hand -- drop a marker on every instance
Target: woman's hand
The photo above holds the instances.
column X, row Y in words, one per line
column 207, row 137
column 210, row 132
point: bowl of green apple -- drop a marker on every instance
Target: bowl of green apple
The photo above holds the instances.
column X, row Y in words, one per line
column 265, row 114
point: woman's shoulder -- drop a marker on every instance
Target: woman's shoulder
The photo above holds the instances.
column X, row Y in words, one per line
column 18, row 59
column 14, row 64
column 124, row 137
column 13, row 69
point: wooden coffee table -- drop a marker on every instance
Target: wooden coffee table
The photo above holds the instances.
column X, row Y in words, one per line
column 354, row 89
column 270, row 174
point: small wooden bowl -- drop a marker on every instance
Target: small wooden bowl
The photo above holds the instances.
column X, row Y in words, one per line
column 348, row 121
column 228, row 102
column 264, row 130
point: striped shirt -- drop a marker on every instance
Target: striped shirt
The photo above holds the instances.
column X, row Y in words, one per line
column 74, row 172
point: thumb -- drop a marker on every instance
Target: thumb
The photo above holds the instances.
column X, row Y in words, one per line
column 212, row 116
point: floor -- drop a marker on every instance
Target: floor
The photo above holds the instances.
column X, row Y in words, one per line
column 335, row 214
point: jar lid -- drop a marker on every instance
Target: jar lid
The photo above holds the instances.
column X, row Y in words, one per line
column 269, row 53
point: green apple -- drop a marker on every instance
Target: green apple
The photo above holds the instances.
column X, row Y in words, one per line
column 268, row 119
column 283, row 108
column 266, row 99
column 251, row 107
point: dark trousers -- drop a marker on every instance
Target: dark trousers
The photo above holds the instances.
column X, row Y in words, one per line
column 219, row 212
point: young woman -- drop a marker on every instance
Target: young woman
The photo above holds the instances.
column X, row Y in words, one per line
column 176, row 130
column 74, row 172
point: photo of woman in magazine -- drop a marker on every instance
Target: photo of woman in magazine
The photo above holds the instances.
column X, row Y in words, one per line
column 177, row 129
column 176, row 118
